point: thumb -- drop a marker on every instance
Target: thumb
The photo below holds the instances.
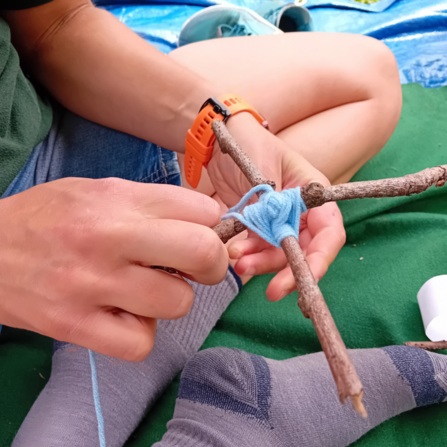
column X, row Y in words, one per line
column 297, row 171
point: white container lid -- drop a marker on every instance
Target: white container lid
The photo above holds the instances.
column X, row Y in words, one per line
column 432, row 300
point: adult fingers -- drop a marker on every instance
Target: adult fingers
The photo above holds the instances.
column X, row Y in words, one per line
column 187, row 247
column 159, row 201
column 112, row 332
column 150, row 293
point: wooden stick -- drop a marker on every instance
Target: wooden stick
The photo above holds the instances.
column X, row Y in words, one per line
column 228, row 145
column 428, row 345
column 311, row 300
column 315, row 194
column 313, row 306
column 229, row 228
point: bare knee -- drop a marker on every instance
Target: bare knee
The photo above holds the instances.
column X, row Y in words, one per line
column 379, row 66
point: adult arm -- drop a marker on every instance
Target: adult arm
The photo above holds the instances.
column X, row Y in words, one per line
column 100, row 69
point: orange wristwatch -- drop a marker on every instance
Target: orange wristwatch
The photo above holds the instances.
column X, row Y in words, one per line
column 200, row 138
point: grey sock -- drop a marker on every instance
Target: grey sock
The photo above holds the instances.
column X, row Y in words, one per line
column 229, row 398
column 64, row 414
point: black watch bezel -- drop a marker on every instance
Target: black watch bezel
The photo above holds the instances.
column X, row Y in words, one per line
column 218, row 107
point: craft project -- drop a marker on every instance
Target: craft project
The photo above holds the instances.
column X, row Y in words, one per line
column 276, row 218
column 311, row 301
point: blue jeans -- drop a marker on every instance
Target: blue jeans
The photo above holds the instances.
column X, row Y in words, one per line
column 76, row 147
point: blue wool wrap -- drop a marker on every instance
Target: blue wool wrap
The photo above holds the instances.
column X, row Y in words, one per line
column 274, row 216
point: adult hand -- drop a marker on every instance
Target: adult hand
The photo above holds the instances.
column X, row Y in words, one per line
column 75, row 257
column 321, row 229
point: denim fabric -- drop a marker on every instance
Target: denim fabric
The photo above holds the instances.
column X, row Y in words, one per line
column 76, row 147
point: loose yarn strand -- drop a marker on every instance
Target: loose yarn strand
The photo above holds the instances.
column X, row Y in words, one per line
column 99, row 416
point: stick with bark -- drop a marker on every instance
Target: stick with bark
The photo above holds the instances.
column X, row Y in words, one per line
column 315, row 194
column 428, row 345
column 311, row 300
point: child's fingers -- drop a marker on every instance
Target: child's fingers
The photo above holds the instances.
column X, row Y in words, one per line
column 284, row 283
column 321, row 252
column 325, row 225
column 252, row 244
column 325, row 216
column 318, row 263
column 305, row 239
column 281, row 285
column 270, row 260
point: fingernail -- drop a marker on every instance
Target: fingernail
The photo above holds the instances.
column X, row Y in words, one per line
column 250, row 271
column 235, row 254
column 278, row 297
column 282, row 294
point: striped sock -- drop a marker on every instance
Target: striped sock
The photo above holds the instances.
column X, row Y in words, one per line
column 229, row 398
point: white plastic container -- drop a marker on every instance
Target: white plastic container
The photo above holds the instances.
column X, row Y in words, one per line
column 432, row 300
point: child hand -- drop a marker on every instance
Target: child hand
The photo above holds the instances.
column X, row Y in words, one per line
column 321, row 230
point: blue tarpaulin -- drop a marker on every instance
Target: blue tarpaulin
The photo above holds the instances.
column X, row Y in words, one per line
column 157, row 23
column 415, row 30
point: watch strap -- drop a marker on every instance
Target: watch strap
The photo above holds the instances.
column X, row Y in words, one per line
column 200, row 138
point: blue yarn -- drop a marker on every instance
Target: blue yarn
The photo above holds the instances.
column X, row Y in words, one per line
column 99, row 417
column 274, row 216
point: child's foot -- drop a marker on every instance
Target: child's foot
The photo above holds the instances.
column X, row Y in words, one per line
column 229, row 398
column 64, row 413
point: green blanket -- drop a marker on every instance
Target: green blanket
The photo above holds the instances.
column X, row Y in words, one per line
column 402, row 243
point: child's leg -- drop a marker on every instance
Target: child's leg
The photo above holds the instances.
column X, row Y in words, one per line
column 229, row 398
column 64, row 413
column 334, row 98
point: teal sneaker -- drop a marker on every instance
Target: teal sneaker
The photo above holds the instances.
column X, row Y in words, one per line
column 290, row 18
column 224, row 21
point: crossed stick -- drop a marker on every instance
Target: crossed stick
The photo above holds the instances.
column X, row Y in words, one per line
column 311, row 301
